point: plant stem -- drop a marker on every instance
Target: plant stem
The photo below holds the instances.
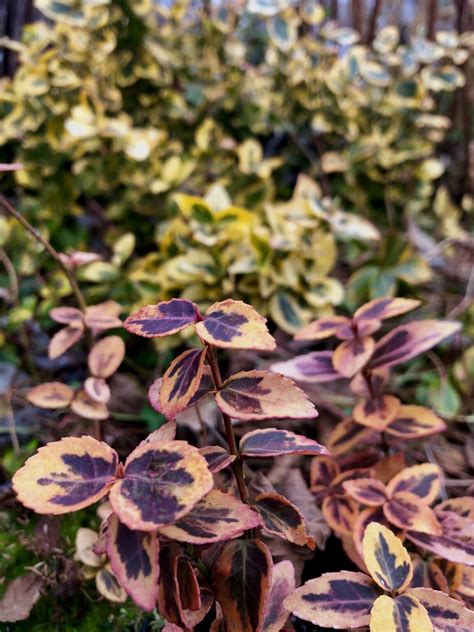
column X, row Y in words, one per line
column 45, row 243
column 229, row 430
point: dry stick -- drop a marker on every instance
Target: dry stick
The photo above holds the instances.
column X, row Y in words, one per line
column 11, row 426
column 229, row 430
column 431, row 19
column 44, row 242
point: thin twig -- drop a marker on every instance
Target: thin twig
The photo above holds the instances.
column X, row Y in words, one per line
column 11, row 425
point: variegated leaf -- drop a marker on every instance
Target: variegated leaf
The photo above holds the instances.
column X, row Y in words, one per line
column 403, row 613
column 181, row 381
column 133, row 556
column 462, row 505
column 166, row 432
column 216, row 517
column 283, row 584
column 50, row 395
column 106, row 356
column 322, row 328
column 217, row 458
column 281, row 518
column 274, row 442
column 366, row 516
column 383, row 308
column 66, row 475
column 108, row 585
column 351, row 355
column 377, row 413
column 163, row 319
column 407, row 341
column 405, row 511
column 367, row 491
column 103, row 316
column 387, row 560
column 162, row 482
column 348, row 434
column 235, row 325
column 422, row 480
column 67, row 316
column 63, row 340
column 85, row 406
column 446, row 614
column 169, row 605
column 415, row 422
column 340, row 514
column 97, row 389
column 323, row 470
column 336, row 600
column 315, row 368
column 241, row 580
column 455, row 544
column 253, row 395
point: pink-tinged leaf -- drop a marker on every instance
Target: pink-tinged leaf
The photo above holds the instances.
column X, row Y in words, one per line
column 88, row 408
column 315, row 368
column 181, row 381
column 369, row 386
column 20, row 596
column 377, row 413
column 446, row 614
column 68, row 316
column 106, row 356
column 366, row 517
column 340, row 514
column 103, row 316
column 50, row 395
column 367, row 491
column 63, row 340
column 323, row 471
column 79, row 258
column 216, row 517
column 405, row 511
column 13, row 166
column 192, row 618
column 382, row 308
column 253, row 395
column 162, row 482
column 98, row 389
column 133, row 556
column 274, row 442
column 336, row 600
column 322, row 328
column 387, row 560
column 166, row 432
column 348, row 434
column 154, row 394
column 415, row 422
column 235, row 325
column 337, row 485
column 402, row 613
column 206, row 386
column 389, row 466
column 164, row 319
column 168, row 590
column 108, row 586
column 358, row 329
column 350, row 356
column 217, row 458
column 428, row 574
column 283, row 584
column 422, row 480
column 241, row 580
column 463, row 506
column 407, row 341
column 281, row 518
column 449, row 546
column 66, row 475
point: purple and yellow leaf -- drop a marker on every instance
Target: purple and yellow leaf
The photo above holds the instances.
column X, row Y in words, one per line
column 218, row 516
column 322, row 328
column 162, row 482
column 235, row 325
column 336, row 600
column 456, row 543
column 166, row 432
column 283, row 584
column 351, row 355
column 415, row 422
column 181, row 381
column 407, row 341
column 446, row 614
column 322, row 472
column 405, row 511
column 367, row 491
column 377, row 413
column 106, row 356
column 366, row 516
column 163, row 319
column 348, row 434
column 253, row 395
column 281, row 518
column 206, row 386
column 422, row 480
column 133, row 556
column 340, row 514
column 403, row 613
column 462, row 505
column 97, row 389
column 427, row 574
column 275, row 441
column 387, row 560
column 315, row 367
column 66, row 475
column 108, row 586
column 241, row 580
column 217, row 458
column 50, row 395
column 383, row 308
column 63, row 340
column 87, row 407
